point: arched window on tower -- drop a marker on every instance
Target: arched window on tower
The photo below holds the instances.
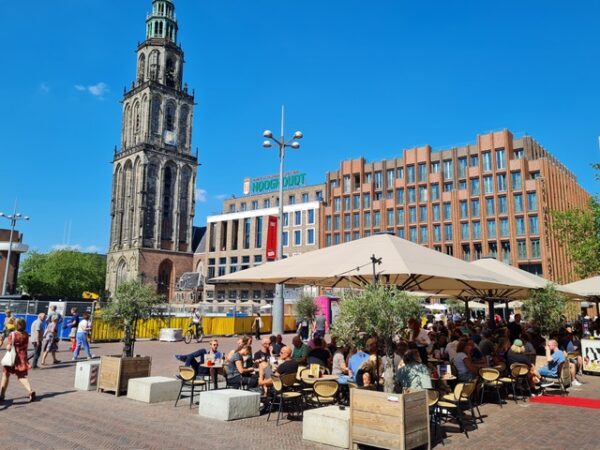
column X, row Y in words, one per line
column 184, row 200
column 151, row 204
column 137, row 122
column 155, row 28
column 184, row 113
column 141, row 68
column 168, row 192
column 160, row 29
column 122, row 273
column 155, row 115
column 170, row 117
column 170, row 72
column 154, row 65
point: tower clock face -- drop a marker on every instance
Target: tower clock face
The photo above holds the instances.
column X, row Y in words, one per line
column 170, row 138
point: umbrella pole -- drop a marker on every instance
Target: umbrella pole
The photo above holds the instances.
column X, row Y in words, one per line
column 506, row 311
column 467, row 312
column 492, row 321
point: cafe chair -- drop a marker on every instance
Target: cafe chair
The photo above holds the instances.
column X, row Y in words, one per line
column 189, row 384
column 465, row 396
column 433, row 397
column 489, row 380
column 289, row 381
column 325, row 393
column 518, row 379
column 453, row 407
column 563, row 381
column 282, row 398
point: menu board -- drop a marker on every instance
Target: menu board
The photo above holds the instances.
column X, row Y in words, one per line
column 590, row 351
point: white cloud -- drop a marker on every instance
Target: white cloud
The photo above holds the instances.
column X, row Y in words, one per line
column 221, row 196
column 44, row 87
column 97, row 90
column 66, row 247
column 93, row 249
column 201, row 195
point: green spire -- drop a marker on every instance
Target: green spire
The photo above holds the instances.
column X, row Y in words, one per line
column 162, row 22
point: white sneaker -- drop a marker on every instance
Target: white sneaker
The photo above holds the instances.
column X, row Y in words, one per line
column 576, row 383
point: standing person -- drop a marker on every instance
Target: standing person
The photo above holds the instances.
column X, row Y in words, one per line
column 197, row 320
column 420, row 337
column 37, row 334
column 83, row 329
column 72, row 325
column 320, row 325
column 515, row 329
column 257, row 325
column 20, row 340
column 9, row 325
column 302, row 329
column 50, row 342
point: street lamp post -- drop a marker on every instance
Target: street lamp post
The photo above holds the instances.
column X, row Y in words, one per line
column 281, row 143
column 14, row 217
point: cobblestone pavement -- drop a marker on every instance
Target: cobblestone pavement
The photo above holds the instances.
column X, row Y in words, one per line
column 67, row 419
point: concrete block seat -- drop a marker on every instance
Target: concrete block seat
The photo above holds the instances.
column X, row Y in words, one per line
column 153, row 389
column 329, row 425
column 229, row 404
column 86, row 375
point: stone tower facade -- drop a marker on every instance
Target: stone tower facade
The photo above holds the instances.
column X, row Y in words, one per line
column 154, row 172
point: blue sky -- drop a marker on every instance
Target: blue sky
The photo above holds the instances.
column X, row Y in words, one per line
column 358, row 78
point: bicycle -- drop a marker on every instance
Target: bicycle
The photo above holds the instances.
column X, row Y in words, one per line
column 194, row 331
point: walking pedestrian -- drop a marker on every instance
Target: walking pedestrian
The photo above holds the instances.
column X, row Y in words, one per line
column 72, row 325
column 257, row 325
column 9, row 325
column 50, row 342
column 37, row 334
column 20, row 340
column 83, row 329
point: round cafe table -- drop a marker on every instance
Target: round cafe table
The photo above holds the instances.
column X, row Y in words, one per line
column 214, row 372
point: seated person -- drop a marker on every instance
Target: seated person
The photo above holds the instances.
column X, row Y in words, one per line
column 486, row 346
column 300, row 350
column 320, row 354
column 264, row 376
column 339, row 366
column 211, row 354
column 276, row 345
column 466, row 367
column 244, row 340
column 413, row 375
column 366, row 374
column 287, row 364
column 517, row 355
column 264, row 354
column 237, row 374
column 554, row 358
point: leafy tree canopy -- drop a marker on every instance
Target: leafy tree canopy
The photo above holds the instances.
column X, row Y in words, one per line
column 306, row 308
column 545, row 307
column 63, row 273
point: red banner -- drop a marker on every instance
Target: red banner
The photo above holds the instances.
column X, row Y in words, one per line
column 272, row 238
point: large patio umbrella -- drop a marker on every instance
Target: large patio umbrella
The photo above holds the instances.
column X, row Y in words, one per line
column 388, row 259
column 588, row 289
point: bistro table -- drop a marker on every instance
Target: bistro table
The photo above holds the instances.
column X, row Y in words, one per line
column 214, row 372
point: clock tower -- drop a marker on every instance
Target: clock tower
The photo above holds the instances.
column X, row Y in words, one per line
column 154, row 172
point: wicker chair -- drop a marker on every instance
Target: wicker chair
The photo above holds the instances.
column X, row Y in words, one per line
column 189, row 383
column 454, row 407
column 466, row 396
column 325, row 393
column 489, row 379
column 283, row 397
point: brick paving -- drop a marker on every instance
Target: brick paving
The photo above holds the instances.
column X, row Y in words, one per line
column 67, row 419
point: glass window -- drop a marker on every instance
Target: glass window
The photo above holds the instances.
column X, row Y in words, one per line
column 535, row 248
column 435, row 191
column 297, row 237
column 464, row 231
column 328, row 223
column 518, row 153
column 531, row 201
column 449, row 186
column 422, row 193
column 336, row 222
column 413, row 234
column 491, row 228
column 475, row 189
column 448, row 175
column 436, row 212
column 501, row 179
column 462, row 185
column 378, row 180
column 336, row 238
column 366, row 201
column 390, row 174
column 356, row 201
column 376, row 218
column 447, row 211
column 401, row 233
column 310, row 214
column 422, row 172
column 516, row 180
column 356, row 220
column 488, row 184
column 464, row 209
column 254, row 204
column 475, row 210
column 400, row 172
column 258, row 230
column 448, row 232
column 500, row 159
column 367, row 219
column 435, row 167
column 412, row 197
column 410, row 174
column 520, row 225
column 522, row 249
column 534, row 225
column 437, row 233
column 346, row 183
column 493, row 249
column 518, row 198
column 247, row 233
column 346, row 221
column 400, row 196
column 424, row 235
column 310, row 236
column 412, row 214
column 347, row 237
column 266, row 203
column 474, row 160
column 506, row 252
column 337, row 204
column 486, row 158
column 390, row 217
column 389, row 195
column 356, row 235
column 298, row 218
column 284, row 238
column 502, row 205
column 401, row 216
column 347, row 202
column 535, row 175
column 504, row 231
column 422, row 213
column 318, row 196
column 489, row 206
column 304, row 197
column 328, row 240
column 466, row 252
column 462, row 167
column 291, row 200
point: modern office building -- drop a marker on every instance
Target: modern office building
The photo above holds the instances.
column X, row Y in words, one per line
column 17, row 249
column 492, row 198
column 236, row 240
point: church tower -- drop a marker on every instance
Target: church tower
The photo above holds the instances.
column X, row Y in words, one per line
column 154, row 172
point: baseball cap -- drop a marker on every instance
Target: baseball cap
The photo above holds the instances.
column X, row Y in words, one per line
column 518, row 343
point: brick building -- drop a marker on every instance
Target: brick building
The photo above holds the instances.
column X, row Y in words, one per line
column 15, row 255
column 490, row 198
column 236, row 240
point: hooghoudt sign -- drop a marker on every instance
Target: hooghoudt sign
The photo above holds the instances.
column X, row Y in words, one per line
column 271, row 183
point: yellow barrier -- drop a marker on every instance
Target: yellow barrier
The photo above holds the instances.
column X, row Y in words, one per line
column 213, row 326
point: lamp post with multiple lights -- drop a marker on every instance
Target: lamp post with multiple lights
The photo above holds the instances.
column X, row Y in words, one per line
column 278, row 327
column 14, row 217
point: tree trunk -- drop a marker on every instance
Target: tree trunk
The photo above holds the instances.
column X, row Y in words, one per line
column 389, row 371
column 127, row 342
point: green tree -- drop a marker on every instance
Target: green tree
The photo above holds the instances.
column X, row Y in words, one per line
column 379, row 311
column 133, row 301
column 546, row 307
column 306, row 308
column 63, row 273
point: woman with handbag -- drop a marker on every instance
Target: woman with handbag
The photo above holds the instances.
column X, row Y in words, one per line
column 16, row 344
column 50, row 342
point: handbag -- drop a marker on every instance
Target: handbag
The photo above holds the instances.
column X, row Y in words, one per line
column 8, row 360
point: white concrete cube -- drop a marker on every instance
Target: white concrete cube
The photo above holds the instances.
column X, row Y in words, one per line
column 153, row 389
column 86, row 375
column 170, row 334
column 229, row 404
column 329, row 425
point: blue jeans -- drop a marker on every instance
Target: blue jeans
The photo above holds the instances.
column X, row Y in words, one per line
column 82, row 341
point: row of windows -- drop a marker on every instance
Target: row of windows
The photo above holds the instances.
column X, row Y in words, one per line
column 420, row 173
column 255, row 294
column 309, row 239
column 298, row 218
column 267, row 203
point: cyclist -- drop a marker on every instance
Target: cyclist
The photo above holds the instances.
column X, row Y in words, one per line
column 197, row 321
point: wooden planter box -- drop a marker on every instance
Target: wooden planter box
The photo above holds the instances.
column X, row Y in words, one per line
column 378, row 421
column 116, row 371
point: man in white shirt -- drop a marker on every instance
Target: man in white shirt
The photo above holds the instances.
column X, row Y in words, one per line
column 37, row 332
column 420, row 337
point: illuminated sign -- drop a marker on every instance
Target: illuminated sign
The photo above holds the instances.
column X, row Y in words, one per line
column 264, row 185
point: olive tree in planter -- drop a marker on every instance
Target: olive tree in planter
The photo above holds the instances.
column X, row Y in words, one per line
column 306, row 308
column 546, row 308
column 379, row 311
column 132, row 302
